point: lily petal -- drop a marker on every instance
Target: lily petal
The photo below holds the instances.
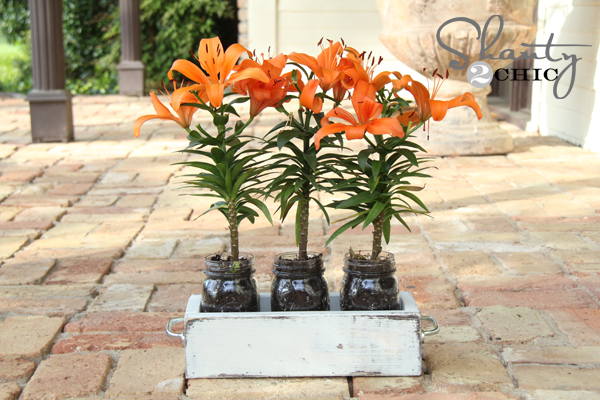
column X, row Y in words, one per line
column 138, row 122
column 214, row 92
column 183, row 95
column 383, row 126
column 338, row 112
column 356, row 132
column 190, row 70
column 468, row 100
column 381, row 80
column 159, row 107
column 438, row 109
column 408, row 116
column 308, row 98
column 232, row 55
column 304, row 59
column 328, row 130
column 211, row 55
column 249, row 73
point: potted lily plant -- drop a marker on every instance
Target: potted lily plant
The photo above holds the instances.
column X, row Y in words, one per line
column 299, row 283
column 377, row 179
column 227, row 168
column 241, row 176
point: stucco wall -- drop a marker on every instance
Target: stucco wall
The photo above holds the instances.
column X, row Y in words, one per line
column 577, row 117
column 298, row 25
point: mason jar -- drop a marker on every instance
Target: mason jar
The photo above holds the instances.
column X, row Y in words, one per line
column 299, row 285
column 229, row 286
column 369, row 284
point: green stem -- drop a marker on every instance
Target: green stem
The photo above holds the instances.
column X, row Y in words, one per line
column 303, row 242
column 377, row 234
column 245, row 125
column 233, row 231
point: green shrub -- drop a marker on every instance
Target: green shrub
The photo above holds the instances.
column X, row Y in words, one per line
column 170, row 30
column 15, row 68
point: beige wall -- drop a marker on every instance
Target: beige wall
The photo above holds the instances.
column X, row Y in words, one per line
column 298, row 25
column 577, row 117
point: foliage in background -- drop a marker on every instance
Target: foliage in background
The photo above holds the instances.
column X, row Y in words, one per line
column 170, row 30
column 15, row 54
column 15, row 68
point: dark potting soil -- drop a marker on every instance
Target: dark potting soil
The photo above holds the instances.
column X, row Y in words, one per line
column 299, row 285
column 369, row 284
column 229, row 288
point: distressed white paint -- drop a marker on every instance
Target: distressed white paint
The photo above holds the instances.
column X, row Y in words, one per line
column 287, row 344
column 576, row 117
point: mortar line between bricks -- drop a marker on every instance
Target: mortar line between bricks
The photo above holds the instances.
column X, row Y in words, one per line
column 41, row 232
column 475, row 322
column 574, row 278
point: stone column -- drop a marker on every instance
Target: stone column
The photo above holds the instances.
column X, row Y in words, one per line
column 131, row 69
column 49, row 101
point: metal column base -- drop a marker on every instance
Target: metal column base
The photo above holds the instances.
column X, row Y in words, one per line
column 131, row 78
column 51, row 116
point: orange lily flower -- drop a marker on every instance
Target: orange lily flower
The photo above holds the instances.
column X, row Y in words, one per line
column 325, row 66
column 218, row 64
column 360, row 73
column 308, row 98
column 185, row 113
column 426, row 106
column 265, row 94
column 368, row 112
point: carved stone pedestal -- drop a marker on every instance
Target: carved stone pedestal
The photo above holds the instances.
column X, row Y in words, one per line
column 410, row 33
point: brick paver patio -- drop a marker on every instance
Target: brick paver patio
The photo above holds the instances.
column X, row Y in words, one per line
column 99, row 252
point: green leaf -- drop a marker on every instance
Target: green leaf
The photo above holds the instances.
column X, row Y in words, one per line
column 228, row 182
column 277, row 127
column 240, row 181
column 344, row 228
column 285, row 212
column 376, row 165
column 261, row 206
column 238, row 126
column 414, row 198
column 363, row 157
column 387, row 230
column 373, row 181
column 229, row 109
column 201, row 165
column 324, row 211
column 361, row 198
column 399, row 218
column 220, row 120
column 285, row 136
column 217, row 205
column 198, row 105
column 311, row 159
column 217, row 154
column 410, row 156
column 239, row 100
column 374, row 213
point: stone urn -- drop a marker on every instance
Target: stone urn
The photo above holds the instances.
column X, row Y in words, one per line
column 409, row 32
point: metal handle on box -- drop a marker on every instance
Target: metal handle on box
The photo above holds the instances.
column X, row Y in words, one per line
column 433, row 331
column 170, row 326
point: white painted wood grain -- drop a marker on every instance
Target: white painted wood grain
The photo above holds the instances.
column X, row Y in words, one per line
column 286, row 344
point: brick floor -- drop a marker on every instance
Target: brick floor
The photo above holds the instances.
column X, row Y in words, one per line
column 98, row 251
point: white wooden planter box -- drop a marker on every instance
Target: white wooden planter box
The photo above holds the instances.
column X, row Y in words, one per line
column 316, row 343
